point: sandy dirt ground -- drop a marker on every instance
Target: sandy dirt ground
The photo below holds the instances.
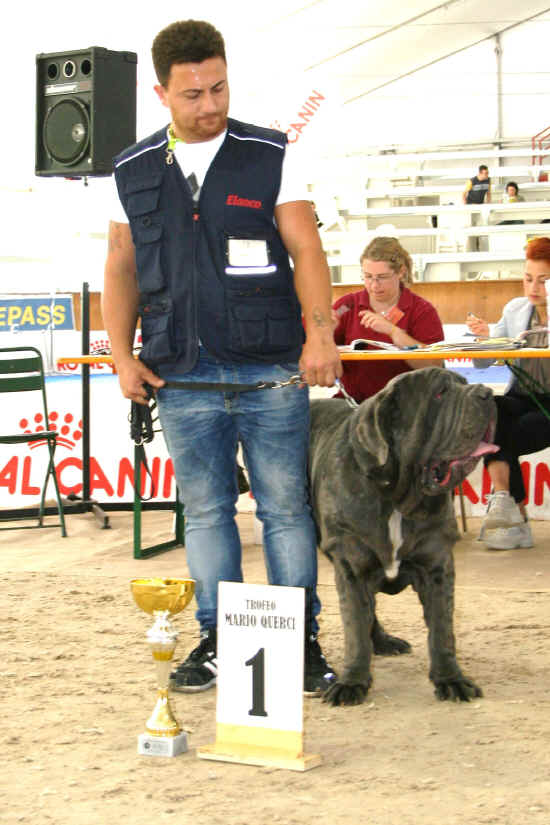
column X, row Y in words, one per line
column 77, row 684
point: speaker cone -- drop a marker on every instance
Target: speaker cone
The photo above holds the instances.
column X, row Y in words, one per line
column 66, row 131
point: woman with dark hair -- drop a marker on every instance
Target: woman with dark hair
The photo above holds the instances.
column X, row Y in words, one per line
column 511, row 193
column 522, row 427
column 386, row 310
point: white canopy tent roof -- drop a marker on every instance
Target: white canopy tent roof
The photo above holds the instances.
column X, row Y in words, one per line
column 414, row 72
column 364, row 47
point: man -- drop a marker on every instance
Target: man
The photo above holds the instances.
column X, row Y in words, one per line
column 478, row 188
column 201, row 255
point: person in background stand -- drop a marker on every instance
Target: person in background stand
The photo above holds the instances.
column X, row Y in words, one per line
column 511, row 193
column 478, row 188
column 522, row 427
column 386, row 310
column 211, row 208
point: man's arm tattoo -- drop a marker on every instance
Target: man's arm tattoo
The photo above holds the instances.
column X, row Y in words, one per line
column 114, row 237
column 319, row 318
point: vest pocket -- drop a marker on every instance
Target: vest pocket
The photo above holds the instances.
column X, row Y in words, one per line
column 142, row 195
column 146, row 222
column 157, row 334
column 148, row 242
column 249, row 253
column 266, row 326
column 140, row 203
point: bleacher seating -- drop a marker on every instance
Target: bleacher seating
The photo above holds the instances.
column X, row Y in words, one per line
column 418, row 195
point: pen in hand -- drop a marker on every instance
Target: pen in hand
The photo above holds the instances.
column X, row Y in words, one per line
column 477, row 326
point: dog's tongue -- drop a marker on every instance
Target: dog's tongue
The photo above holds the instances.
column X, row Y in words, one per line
column 483, row 448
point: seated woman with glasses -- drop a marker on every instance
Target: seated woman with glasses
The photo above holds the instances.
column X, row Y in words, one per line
column 384, row 311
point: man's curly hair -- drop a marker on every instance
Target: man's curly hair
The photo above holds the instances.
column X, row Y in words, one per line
column 186, row 41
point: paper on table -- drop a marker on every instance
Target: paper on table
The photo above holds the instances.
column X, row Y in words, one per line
column 366, row 343
column 483, row 344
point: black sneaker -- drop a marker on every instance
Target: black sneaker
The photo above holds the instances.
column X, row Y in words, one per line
column 200, row 669
column 318, row 674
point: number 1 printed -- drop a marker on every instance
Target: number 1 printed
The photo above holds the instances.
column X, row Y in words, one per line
column 257, row 662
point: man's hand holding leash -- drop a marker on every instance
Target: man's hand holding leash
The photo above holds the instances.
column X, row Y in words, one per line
column 132, row 377
column 320, row 363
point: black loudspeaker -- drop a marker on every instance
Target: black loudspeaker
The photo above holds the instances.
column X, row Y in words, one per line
column 85, row 110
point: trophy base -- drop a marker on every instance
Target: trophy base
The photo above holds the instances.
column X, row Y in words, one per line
column 149, row 745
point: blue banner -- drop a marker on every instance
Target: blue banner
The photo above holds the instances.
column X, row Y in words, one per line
column 25, row 313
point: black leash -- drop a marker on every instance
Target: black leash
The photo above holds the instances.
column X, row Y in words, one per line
column 141, row 415
column 142, row 432
column 212, row 385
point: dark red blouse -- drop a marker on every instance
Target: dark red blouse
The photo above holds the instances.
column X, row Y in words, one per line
column 420, row 320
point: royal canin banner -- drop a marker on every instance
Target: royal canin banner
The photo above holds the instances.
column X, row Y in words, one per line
column 23, row 466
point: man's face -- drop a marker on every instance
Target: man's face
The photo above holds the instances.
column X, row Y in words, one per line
column 483, row 174
column 197, row 95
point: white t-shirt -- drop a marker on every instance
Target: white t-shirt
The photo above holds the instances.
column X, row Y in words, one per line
column 197, row 157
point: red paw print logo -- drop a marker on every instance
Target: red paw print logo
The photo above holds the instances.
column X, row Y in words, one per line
column 68, row 431
column 100, row 347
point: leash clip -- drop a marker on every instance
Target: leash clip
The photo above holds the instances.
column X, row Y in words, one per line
column 294, row 379
column 277, row 385
column 351, row 402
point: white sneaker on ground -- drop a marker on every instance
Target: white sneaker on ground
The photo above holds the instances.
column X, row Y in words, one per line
column 508, row 538
column 502, row 511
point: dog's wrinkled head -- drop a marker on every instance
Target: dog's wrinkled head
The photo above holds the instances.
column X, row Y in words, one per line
column 423, row 433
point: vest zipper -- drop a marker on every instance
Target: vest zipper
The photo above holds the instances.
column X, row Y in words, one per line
column 196, row 217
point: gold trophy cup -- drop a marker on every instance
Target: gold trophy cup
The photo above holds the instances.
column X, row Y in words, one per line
column 163, row 598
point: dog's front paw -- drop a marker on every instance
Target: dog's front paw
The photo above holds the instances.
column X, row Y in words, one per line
column 342, row 693
column 386, row 645
column 457, row 689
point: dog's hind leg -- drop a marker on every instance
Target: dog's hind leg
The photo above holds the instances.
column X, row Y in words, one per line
column 385, row 645
column 435, row 588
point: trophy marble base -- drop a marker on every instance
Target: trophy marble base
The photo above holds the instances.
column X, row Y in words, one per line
column 149, row 745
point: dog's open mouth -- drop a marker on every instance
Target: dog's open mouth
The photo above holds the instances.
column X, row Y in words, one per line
column 439, row 473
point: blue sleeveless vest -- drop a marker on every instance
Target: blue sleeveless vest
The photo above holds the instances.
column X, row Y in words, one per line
column 195, row 278
column 478, row 191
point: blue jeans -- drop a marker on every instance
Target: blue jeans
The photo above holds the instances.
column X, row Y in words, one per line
column 202, row 429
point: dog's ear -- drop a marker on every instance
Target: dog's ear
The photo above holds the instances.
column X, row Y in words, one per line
column 374, row 426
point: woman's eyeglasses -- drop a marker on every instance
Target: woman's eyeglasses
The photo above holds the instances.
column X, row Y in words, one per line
column 378, row 279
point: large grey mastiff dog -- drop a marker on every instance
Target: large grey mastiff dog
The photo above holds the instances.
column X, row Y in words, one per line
column 382, row 476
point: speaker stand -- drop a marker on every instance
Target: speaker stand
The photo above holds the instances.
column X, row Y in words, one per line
column 86, row 504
